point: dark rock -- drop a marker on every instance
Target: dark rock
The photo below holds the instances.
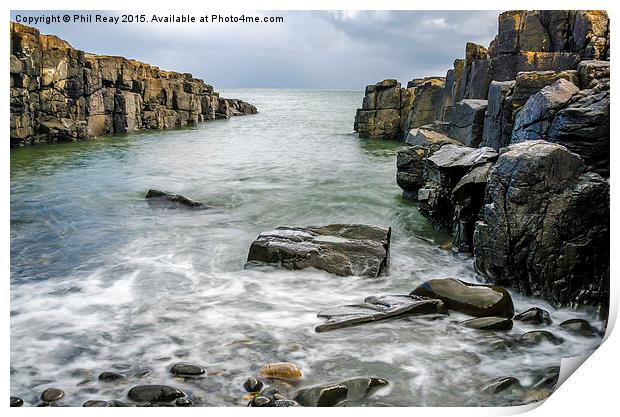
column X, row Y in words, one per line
column 476, row 300
column 341, row 249
column 143, row 373
column 117, row 403
column 52, row 394
column 285, row 403
column 380, row 114
column 423, row 105
column 474, row 83
column 537, row 337
column 176, row 199
column 450, row 92
column 529, row 83
column 16, row 402
column 549, row 379
column 488, row 323
column 111, row 377
column 426, row 137
column 580, row 327
column 260, row 401
column 535, row 191
column 154, row 393
column 183, row 402
column 533, row 120
column 332, row 394
column 502, row 385
column 253, row 385
column 592, row 70
column 378, row 308
column 583, row 127
column 534, row 315
column 410, row 165
column 186, row 370
column 498, row 117
column 96, row 403
column 468, row 121
column 547, row 61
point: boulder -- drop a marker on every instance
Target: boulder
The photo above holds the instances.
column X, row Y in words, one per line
column 476, row 300
column 172, row 200
column 538, row 337
column 580, row 327
column 497, row 129
column 488, row 323
column 468, row 121
column 535, row 316
column 341, row 249
column 544, row 228
column 410, row 163
column 533, row 120
column 331, row 395
column 426, row 137
column 154, row 394
column 378, row 308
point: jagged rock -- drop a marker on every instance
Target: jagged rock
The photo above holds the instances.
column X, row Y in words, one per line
column 333, row 394
column 533, row 120
column 475, row 80
column 175, row 199
column 503, row 384
column 154, row 394
column 580, row 327
column 590, row 30
column 341, row 249
column 426, row 137
column 187, row 370
column 468, row 121
column 59, row 93
column 476, row 300
column 591, row 70
column 529, row 83
column 450, row 92
column 498, row 117
column 457, row 159
column 534, row 315
column 281, row 370
column 544, row 228
column 410, row 163
column 378, row 308
column 488, row 323
column 583, row 127
column 537, row 337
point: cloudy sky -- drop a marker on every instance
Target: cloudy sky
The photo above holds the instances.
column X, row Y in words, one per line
column 310, row 49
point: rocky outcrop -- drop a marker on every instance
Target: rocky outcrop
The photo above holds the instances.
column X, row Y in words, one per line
column 544, row 228
column 380, row 114
column 497, row 128
column 467, row 121
column 341, row 249
column 59, row 93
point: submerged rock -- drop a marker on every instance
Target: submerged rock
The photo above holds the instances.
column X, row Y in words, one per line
column 580, row 327
column 534, row 315
column 253, row 385
column 16, row 402
column 52, row 394
column 549, row 379
column 378, row 308
column 333, row 394
column 341, row 249
column 488, row 323
column 537, row 337
column 154, row 393
column 186, row 370
column 111, row 377
column 281, row 370
column 96, row 403
column 504, row 384
column 476, row 300
column 173, row 199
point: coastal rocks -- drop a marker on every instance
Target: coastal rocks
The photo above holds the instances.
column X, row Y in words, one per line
column 533, row 120
column 472, row 299
column 379, row 116
column 535, row 316
column 529, row 83
column 253, row 385
column 426, row 137
column 378, row 308
column 341, row 249
column 488, row 323
column 51, row 395
column 535, row 191
column 592, row 70
column 579, row 327
column 154, row 394
column 475, row 80
column 187, row 370
column 59, row 93
column 331, row 395
column 497, row 128
column 424, row 106
column 467, row 121
column 281, row 370
column 16, row 402
column 537, row 337
column 173, row 200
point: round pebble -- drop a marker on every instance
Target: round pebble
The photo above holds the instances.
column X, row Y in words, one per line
column 16, row 402
column 253, row 385
column 52, row 394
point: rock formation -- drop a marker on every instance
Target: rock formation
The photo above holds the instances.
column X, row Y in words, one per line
column 537, row 217
column 59, row 93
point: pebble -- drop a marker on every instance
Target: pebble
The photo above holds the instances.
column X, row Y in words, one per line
column 111, row 377
column 260, row 401
column 281, row 370
column 253, row 385
column 16, row 402
column 96, row 403
column 183, row 402
column 154, row 393
column 52, row 394
column 186, row 370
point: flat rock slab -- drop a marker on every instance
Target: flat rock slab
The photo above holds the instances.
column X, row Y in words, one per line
column 172, row 200
column 341, row 249
column 378, row 308
column 476, row 300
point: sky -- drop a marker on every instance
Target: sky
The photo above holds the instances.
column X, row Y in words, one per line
column 311, row 49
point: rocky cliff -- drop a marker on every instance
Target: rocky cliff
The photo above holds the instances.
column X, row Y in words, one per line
column 59, row 93
column 510, row 152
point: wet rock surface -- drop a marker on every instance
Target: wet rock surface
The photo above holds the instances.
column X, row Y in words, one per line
column 502, row 385
column 476, row 300
column 378, row 308
column 154, row 394
column 172, row 200
column 16, row 402
column 52, row 394
column 488, row 323
column 111, row 377
column 331, row 395
column 580, row 327
column 253, row 385
column 187, row 370
column 535, row 316
column 538, row 337
column 341, row 249
column 281, row 370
